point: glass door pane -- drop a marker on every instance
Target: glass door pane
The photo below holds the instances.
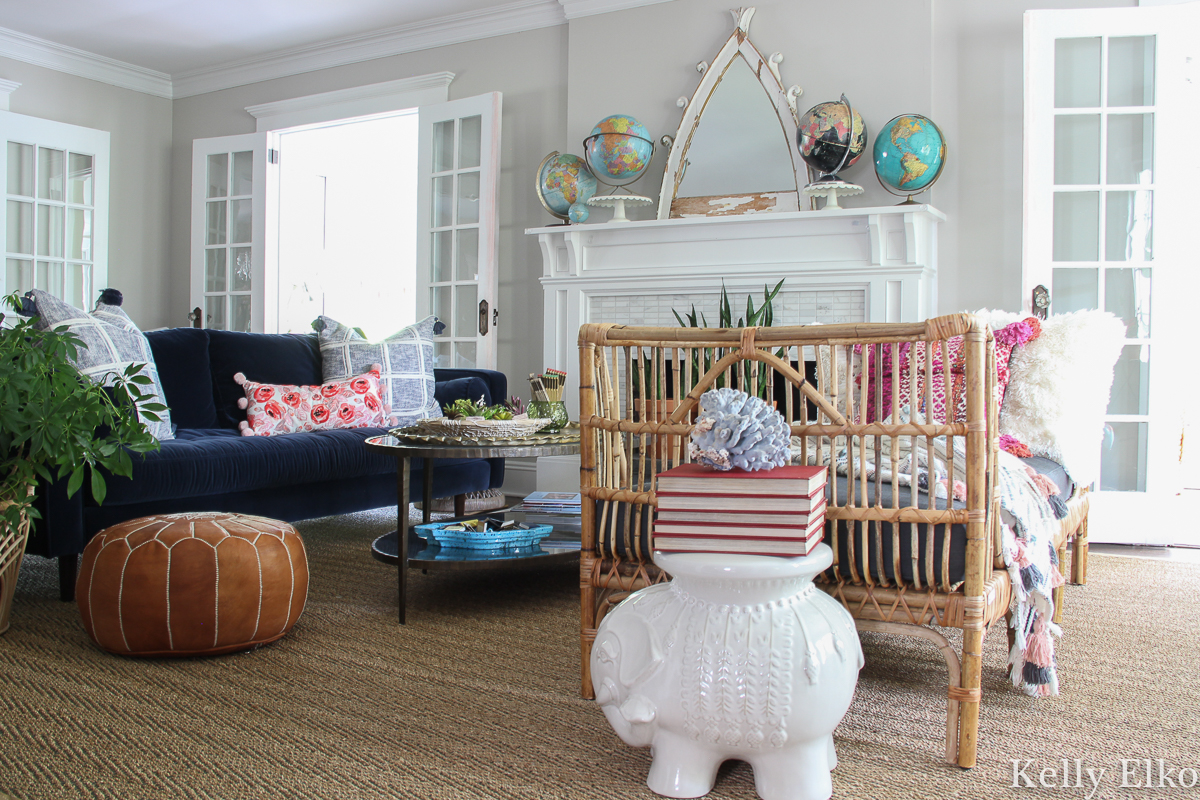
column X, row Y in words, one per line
column 20, row 169
column 1103, row 212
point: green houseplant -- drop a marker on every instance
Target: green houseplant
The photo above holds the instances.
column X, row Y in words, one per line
column 763, row 315
column 56, row 423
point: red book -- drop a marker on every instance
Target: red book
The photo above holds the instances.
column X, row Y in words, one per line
column 788, row 548
column 722, row 530
column 790, row 504
column 789, row 481
column 751, row 516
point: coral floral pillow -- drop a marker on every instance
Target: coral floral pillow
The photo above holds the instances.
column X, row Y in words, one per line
column 350, row 403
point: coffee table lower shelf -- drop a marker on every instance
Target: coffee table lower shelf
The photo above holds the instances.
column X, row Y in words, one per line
column 425, row 556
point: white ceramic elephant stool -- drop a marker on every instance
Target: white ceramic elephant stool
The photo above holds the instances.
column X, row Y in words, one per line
column 738, row 657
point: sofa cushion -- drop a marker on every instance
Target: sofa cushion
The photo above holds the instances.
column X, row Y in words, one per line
column 220, row 461
column 111, row 342
column 181, row 356
column 406, row 358
column 471, row 388
column 264, row 357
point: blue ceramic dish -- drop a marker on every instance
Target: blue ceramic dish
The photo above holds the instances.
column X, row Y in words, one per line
column 490, row 540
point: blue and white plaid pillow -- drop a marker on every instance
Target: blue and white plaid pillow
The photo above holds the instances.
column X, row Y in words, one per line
column 406, row 357
column 112, row 342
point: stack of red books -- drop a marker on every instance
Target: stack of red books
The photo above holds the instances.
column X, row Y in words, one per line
column 773, row 512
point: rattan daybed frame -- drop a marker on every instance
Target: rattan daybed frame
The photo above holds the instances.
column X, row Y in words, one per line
column 623, row 433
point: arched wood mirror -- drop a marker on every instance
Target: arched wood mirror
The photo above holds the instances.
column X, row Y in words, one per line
column 735, row 150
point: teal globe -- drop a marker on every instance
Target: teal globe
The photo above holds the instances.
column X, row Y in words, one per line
column 910, row 152
column 618, row 150
column 564, row 181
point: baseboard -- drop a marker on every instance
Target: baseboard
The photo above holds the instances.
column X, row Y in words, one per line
column 547, row 474
column 520, row 476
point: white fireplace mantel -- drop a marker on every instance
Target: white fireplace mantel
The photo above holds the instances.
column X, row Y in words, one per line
column 839, row 265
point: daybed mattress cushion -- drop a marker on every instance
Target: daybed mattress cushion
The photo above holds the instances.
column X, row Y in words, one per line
column 220, row 461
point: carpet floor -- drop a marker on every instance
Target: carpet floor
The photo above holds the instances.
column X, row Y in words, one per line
column 478, row 697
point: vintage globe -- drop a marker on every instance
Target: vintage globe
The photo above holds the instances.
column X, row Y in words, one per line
column 564, row 181
column 909, row 154
column 618, row 150
column 824, row 135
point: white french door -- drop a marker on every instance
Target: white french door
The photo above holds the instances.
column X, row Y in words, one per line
column 1110, row 208
column 235, row 229
column 457, row 238
column 55, row 235
column 233, row 240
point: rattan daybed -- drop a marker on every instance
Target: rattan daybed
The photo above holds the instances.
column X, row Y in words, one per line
column 902, row 562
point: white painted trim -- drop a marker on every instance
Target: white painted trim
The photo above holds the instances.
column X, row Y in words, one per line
column 43, row 53
column 520, row 476
column 358, row 101
column 6, row 89
column 523, row 15
column 587, row 8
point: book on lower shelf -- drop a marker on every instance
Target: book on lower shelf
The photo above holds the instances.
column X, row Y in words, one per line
column 564, row 503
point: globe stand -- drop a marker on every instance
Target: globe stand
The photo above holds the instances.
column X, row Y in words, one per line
column 830, row 189
column 617, row 203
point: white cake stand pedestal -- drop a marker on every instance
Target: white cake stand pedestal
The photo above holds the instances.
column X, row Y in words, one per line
column 617, row 203
column 831, row 190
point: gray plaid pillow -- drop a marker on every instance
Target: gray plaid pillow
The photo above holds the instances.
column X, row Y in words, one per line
column 112, row 342
column 406, row 357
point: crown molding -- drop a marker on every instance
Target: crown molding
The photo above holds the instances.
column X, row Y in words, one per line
column 42, row 53
column 573, row 9
column 353, row 102
column 523, row 15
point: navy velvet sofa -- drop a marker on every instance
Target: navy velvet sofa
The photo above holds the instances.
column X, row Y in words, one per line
column 209, row 466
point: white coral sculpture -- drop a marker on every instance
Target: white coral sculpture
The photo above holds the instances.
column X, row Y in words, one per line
column 735, row 430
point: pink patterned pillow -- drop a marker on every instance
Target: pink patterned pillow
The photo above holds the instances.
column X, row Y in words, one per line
column 273, row 409
column 1007, row 338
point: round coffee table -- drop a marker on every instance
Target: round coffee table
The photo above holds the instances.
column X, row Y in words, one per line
column 402, row 550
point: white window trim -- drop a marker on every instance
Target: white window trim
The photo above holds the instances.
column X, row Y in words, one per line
column 359, row 101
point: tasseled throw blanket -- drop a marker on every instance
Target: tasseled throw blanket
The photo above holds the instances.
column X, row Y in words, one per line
column 1029, row 520
column 1028, row 525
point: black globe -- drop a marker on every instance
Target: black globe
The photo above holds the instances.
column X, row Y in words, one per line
column 820, row 142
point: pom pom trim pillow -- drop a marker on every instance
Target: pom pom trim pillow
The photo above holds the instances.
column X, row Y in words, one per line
column 111, row 343
column 405, row 359
column 273, row 409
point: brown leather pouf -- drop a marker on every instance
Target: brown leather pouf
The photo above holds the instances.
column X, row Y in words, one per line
column 192, row 584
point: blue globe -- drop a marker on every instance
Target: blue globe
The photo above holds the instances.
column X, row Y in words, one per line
column 564, row 181
column 618, row 150
column 909, row 153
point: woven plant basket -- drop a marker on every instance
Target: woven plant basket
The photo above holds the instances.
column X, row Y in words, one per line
column 486, row 500
column 476, row 428
column 12, row 550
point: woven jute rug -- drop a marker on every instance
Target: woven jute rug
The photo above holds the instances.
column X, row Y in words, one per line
column 478, row 697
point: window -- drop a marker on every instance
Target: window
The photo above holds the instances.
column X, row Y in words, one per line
column 56, row 208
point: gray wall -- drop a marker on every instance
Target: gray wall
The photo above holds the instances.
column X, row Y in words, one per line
column 140, row 148
column 529, row 69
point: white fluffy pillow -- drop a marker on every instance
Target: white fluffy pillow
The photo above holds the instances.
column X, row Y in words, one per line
column 1058, row 393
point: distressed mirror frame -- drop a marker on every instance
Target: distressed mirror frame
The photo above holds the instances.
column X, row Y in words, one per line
column 670, row 205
